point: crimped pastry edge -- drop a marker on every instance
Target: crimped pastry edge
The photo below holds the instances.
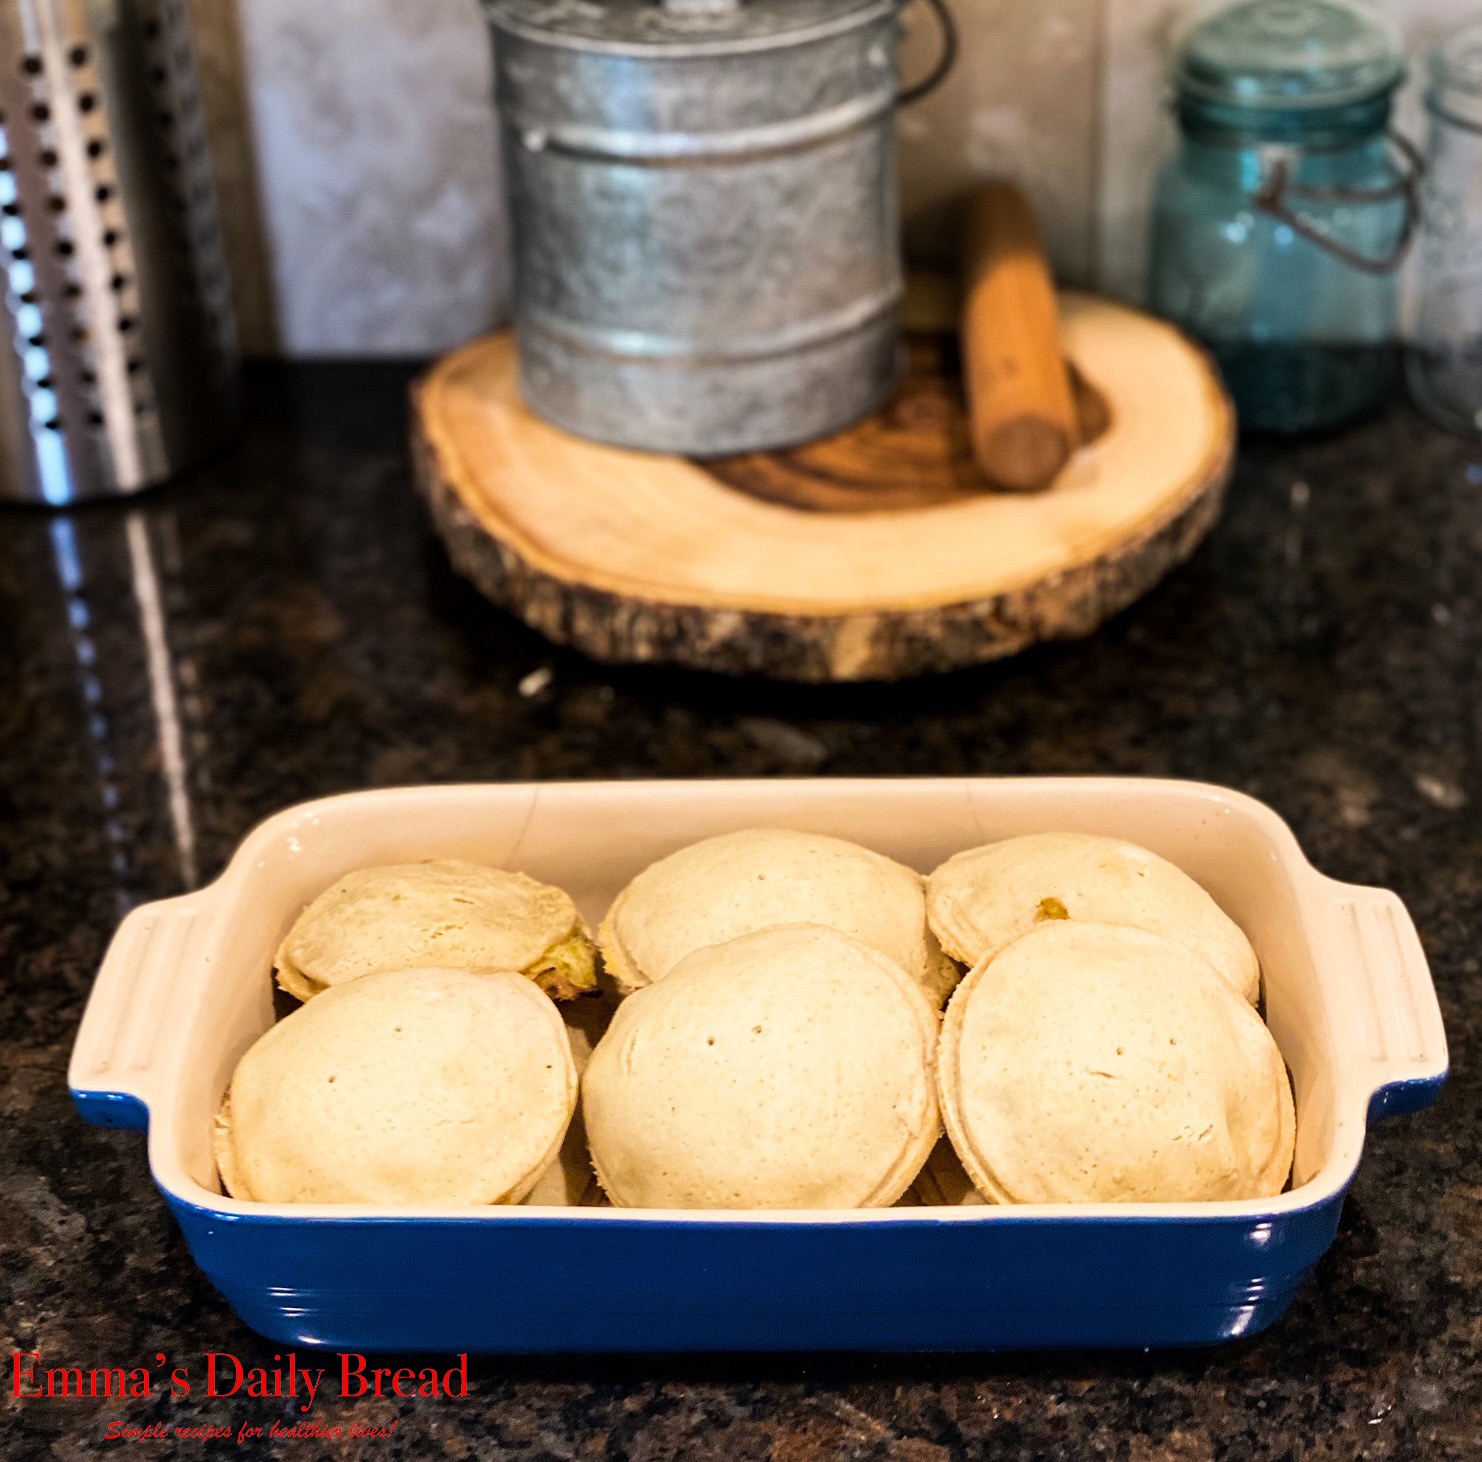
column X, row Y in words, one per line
column 901, row 1175
column 235, row 1186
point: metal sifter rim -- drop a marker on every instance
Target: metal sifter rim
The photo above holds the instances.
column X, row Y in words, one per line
column 648, row 29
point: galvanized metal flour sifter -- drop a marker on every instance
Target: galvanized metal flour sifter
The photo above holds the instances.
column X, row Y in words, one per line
column 703, row 201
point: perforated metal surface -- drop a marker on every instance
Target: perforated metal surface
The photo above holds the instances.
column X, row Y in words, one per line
column 124, row 361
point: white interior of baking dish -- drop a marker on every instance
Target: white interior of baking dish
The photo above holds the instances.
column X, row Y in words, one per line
column 1347, row 995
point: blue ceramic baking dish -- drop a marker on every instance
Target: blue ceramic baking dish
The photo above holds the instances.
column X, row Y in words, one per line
column 185, row 988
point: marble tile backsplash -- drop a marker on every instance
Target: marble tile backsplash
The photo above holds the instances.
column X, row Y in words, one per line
column 360, row 171
column 1020, row 103
column 379, row 169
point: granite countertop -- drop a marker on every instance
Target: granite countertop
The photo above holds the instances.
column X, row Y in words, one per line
column 282, row 625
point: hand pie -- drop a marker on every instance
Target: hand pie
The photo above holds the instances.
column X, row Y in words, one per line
column 787, row 1068
column 985, row 898
column 740, row 882
column 404, row 1086
column 1094, row 1063
column 446, row 914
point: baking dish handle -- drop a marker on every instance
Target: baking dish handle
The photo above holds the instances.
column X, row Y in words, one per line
column 1398, row 1028
column 133, row 1008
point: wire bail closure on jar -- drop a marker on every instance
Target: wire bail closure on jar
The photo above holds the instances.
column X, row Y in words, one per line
column 1270, row 198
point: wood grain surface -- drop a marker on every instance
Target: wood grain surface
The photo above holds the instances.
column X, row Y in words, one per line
column 743, row 565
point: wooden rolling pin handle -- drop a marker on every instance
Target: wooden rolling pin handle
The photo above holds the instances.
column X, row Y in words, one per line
column 1021, row 407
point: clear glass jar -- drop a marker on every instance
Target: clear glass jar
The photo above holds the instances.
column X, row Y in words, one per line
column 1280, row 222
column 1444, row 361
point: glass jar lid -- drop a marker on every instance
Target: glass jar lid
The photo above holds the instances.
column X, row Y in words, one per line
column 1288, row 55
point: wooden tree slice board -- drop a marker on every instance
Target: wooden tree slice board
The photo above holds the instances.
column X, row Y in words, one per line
column 876, row 554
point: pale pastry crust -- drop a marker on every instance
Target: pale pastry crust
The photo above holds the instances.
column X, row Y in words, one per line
column 402, row 1086
column 233, row 1184
column 758, row 878
column 786, row 1068
column 983, row 899
column 1099, row 1063
column 444, row 913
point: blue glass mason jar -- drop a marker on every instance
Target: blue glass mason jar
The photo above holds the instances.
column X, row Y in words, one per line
column 1280, row 223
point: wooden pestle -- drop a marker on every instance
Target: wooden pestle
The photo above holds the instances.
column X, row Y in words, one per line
column 1021, row 406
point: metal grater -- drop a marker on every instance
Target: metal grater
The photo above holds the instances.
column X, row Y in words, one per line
column 124, row 363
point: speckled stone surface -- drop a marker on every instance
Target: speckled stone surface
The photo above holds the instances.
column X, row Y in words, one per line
column 289, row 616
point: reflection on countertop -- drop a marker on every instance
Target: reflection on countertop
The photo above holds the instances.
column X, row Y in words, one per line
column 283, row 625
